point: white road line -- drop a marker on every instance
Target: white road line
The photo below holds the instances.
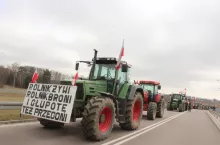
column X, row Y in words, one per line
column 136, row 135
column 135, row 132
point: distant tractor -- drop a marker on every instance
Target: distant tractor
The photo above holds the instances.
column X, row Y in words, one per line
column 178, row 101
column 105, row 96
column 154, row 103
column 197, row 105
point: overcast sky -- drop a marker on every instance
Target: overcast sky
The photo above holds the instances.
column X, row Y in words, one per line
column 175, row 42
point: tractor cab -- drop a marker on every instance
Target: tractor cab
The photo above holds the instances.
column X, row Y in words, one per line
column 151, row 89
column 103, row 77
column 176, row 97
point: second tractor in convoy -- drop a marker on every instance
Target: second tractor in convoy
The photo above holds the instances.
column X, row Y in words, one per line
column 154, row 102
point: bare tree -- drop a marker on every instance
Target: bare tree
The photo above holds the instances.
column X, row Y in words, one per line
column 4, row 73
column 14, row 68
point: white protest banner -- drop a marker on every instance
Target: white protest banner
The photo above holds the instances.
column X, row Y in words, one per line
column 49, row 101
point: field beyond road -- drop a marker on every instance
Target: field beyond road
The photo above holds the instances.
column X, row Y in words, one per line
column 9, row 94
column 11, row 97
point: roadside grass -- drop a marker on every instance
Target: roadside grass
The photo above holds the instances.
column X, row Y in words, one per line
column 11, row 97
column 12, row 114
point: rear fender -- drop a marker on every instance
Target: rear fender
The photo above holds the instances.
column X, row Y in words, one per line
column 109, row 95
column 132, row 90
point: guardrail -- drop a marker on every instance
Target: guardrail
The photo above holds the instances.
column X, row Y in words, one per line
column 215, row 117
column 10, row 105
column 214, row 113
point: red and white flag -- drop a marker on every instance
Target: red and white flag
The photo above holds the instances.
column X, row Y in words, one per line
column 118, row 65
column 75, row 78
column 35, row 77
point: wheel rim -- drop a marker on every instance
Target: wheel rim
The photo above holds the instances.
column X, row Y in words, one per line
column 105, row 119
column 136, row 110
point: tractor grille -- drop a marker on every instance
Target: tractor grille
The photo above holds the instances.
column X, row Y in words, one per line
column 80, row 91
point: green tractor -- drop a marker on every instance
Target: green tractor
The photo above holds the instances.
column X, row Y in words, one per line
column 106, row 95
column 178, row 101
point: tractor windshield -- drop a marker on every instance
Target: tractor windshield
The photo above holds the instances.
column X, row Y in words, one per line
column 176, row 96
column 148, row 87
column 104, row 72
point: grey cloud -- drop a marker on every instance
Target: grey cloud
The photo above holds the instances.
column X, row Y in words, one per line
column 164, row 40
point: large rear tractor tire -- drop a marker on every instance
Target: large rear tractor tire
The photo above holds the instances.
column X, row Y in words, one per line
column 133, row 114
column 160, row 108
column 152, row 111
column 98, row 118
column 50, row 124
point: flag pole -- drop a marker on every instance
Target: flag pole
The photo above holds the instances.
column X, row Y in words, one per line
column 116, row 72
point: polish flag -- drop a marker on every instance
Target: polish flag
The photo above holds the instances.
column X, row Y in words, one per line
column 74, row 79
column 35, row 77
column 120, row 56
column 135, row 82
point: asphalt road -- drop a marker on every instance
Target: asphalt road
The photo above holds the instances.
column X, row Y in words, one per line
column 174, row 129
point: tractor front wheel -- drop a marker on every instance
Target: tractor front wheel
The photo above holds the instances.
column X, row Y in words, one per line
column 133, row 114
column 50, row 124
column 98, row 118
column 160, row 109
column 152, row 111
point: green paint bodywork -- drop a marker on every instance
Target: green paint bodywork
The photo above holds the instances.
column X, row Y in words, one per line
column 124, row 91
column 92, row 88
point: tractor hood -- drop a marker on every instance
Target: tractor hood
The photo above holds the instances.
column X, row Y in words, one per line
column 91, row 87
column 175, row 100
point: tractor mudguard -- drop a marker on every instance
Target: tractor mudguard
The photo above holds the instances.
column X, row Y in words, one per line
column 157, row 98
column 109, row 95
column 132, row 89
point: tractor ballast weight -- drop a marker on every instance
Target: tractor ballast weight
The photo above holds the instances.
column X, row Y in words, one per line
column 107, row 94
column 154, row 103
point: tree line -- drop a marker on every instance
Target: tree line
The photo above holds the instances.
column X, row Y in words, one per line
column 20, row 76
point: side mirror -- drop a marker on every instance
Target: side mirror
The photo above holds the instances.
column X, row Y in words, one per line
column 77, row 66
column 124, row 68
column 159, row 87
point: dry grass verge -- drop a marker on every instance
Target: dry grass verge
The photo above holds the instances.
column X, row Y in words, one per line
column 12, row 115
column 11, row 97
